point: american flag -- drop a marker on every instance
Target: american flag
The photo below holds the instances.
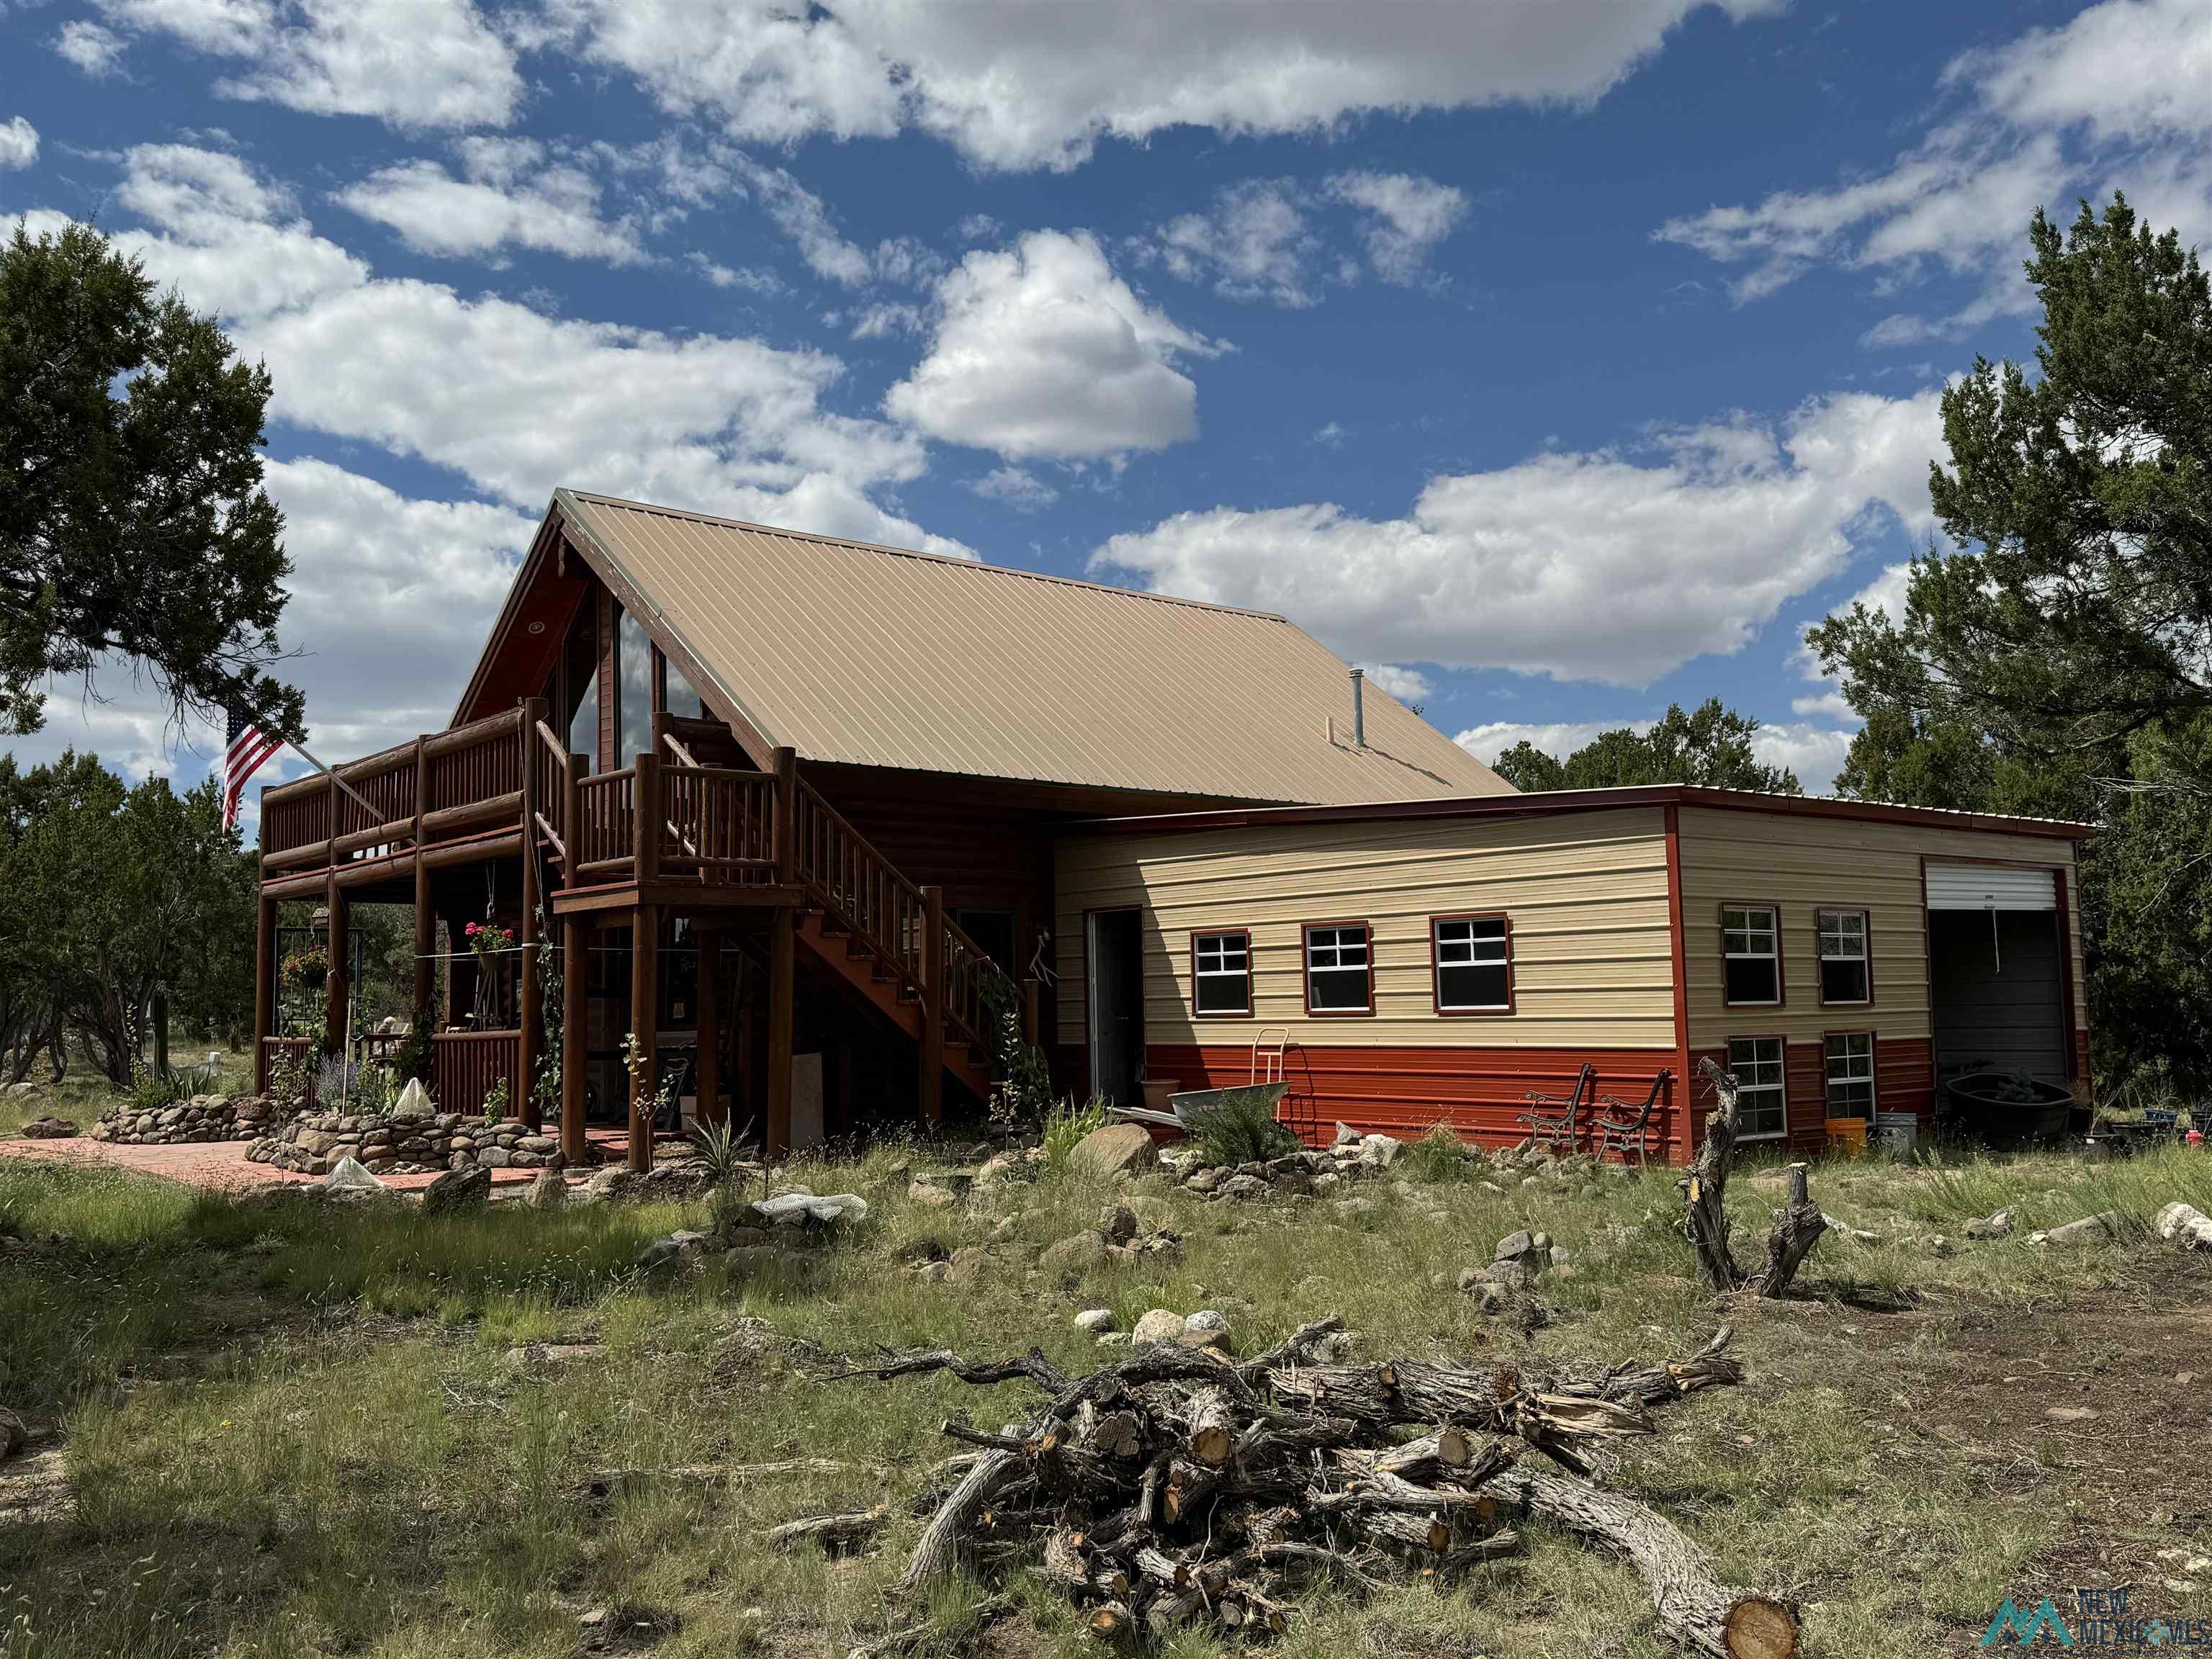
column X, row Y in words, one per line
column 246, row 748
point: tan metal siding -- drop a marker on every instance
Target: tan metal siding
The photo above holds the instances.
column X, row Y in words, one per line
column 1804, row 864
column 1586, row 892
column 880, row 658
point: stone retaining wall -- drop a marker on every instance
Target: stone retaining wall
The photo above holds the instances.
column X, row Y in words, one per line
column 405, row 1143
column 203, row 1117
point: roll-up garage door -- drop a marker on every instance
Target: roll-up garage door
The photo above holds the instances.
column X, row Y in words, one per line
column 1990, row 887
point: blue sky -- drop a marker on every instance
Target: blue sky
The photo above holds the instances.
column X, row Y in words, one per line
column 1558, row 359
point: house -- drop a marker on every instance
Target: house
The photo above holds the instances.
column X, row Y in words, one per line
column 872, row 805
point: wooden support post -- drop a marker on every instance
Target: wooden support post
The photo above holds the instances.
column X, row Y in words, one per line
column 422, row 790
column 783, row 994
column 575, row 986
column 572, row 817
column 529, row 1013
column 1032, row 1012
column 426, row 941
column 932, row 1077
column 707, row 1057
column 647, row 819
column 334, row 983
column 786, row 816
column 265, row 989
column 645, row 1026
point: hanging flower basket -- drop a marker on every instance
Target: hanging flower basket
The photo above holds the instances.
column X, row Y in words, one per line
column 306, row 969
column 489, row 939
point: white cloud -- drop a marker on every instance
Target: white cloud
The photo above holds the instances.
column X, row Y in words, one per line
column 412, row 63
column 1260, row 238
column 978, row 228
column 750, row 278
column 19, row 143
column 94, row 50
column 1015, row 85
column 1407, row 217
column 509, row 196
column 1815, row 753
column 801, row 214
column 1557, row 738
column 1583, row 566
column 1041, row 350
column 514, row 402
column 1012, row 487
column 2118, row 95
column 1828, row 705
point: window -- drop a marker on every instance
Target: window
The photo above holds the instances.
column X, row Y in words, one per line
column 1221, row 973
column 1844, row 976
column 1851, row 1074
column 677, row 696
column 1473, row 965
column 634, row 692
column 1751, row 956
column 1339, row 975
column 581, row 670
column 1757, row 1063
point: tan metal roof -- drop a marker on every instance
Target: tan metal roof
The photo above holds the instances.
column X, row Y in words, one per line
column 878, row 657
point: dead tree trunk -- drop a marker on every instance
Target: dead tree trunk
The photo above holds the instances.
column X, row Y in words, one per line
column 1705, row 1189
column 1694, row 1607
column 1797, row 1227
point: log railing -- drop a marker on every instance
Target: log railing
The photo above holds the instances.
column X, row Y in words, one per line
column 604, row 836
column 465, row 1066
column 550, row 762
column 718, row 824
column 876, row 904
column 441, row 784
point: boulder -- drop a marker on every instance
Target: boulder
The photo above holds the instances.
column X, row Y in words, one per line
column 1990, row 1226
column 1095, row 1321
column 1158, row 1325
column 801, row 1208
column 1204, row 1181
column 1118, row 1222
column 1346, row 1135
column 1381, row 1151
column 2185, row 1223
column 1513, row 1246
column 681, row 1246
column 968, row 1263
column 931, row 1196
column 1077, row 1254
column 608, row 1185
column 1119, row 1149
column 1005, row 1166
column 548, row 1192
column 50, row 1128
column 2101, row 1229
column 455, row 1190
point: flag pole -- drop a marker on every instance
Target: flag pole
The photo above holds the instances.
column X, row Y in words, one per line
column 352, row 793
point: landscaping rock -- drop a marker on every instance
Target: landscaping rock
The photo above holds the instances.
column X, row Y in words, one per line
column 455, row 1190
column 1381, row 1151
column 1096, row 1320
column 1119, row 1149
column 2185, row 1223
column 931, row 1196
column 1205, row 1180
column 968, row 1263
column 1244, row 1185
column 681, row 1246
column 2101, row 1229
column 50, row 1128
column 548, row 1192
column 1077, row 1254
column 1118, row 1222
column 1513, row 1246
column 1158, row 1325
column 1990, row 1226
column 13, row 1434
column 611, row 1185
column 800, row 1207
column 1346, row 1135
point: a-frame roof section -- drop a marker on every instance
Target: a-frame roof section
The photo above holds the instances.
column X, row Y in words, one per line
column 876, row 656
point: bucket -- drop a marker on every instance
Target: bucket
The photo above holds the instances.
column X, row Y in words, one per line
column 1896, row 1132
column 1847, row 1135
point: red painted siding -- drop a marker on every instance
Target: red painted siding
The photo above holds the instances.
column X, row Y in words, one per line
column 1407, row 1091
column 1904, row 1081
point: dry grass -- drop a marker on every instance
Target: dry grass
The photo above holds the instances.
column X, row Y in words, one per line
column 299, row 1432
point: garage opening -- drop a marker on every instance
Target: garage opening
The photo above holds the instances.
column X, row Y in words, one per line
column 1997, row 972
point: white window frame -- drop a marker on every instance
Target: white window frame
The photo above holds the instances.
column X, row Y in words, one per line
column 1474, row 950
column 1864, row 956
column 1347, row 937
column 1851, row 1075
column 1772, row 932
column 1221, row 943
column 1779, row 1087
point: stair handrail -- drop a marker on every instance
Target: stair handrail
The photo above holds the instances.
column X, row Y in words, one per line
column 963, row 1017
column 559, row 749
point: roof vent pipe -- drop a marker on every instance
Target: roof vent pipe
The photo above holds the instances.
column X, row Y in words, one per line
column 1358, row 708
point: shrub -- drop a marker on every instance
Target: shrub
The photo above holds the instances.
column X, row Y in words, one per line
column 154, row 1092
column 494, row 1102
column 1242, row 1129
column 721, row 1149
column 1438, row 1157
column 1066, row 1124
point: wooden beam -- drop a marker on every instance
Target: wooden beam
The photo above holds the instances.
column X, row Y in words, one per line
column 334, row 982
column 530, row 1012
column 645, row 1025
column 425, row 940
column 783, row 994
column 576, row 971
column 787, row 817
column 932, row 1077
column 264, row 988
column 572, row 817
column 707, row 1056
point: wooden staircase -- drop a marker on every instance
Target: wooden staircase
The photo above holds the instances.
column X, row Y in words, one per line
column 853, row 962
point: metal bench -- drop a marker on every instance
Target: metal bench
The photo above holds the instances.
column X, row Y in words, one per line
column 1619, row 1125
column 1554, row 1121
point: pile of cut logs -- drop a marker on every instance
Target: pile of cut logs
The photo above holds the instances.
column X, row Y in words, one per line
column 1175, row 1488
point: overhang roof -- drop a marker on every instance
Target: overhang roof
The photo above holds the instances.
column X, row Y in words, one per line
column 873, row 656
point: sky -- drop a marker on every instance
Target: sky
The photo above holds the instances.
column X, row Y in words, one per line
column 1557, row 360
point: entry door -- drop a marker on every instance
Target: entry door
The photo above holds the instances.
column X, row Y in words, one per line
column 1115, row 972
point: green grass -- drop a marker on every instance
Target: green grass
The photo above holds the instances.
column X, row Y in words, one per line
column 299, row 1430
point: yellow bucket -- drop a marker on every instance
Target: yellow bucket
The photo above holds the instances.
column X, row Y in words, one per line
column 1847, row 1135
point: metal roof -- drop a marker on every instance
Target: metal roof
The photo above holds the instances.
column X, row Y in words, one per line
column 874, row 656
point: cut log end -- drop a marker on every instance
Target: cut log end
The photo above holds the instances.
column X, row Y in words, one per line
column 1757, row 1628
